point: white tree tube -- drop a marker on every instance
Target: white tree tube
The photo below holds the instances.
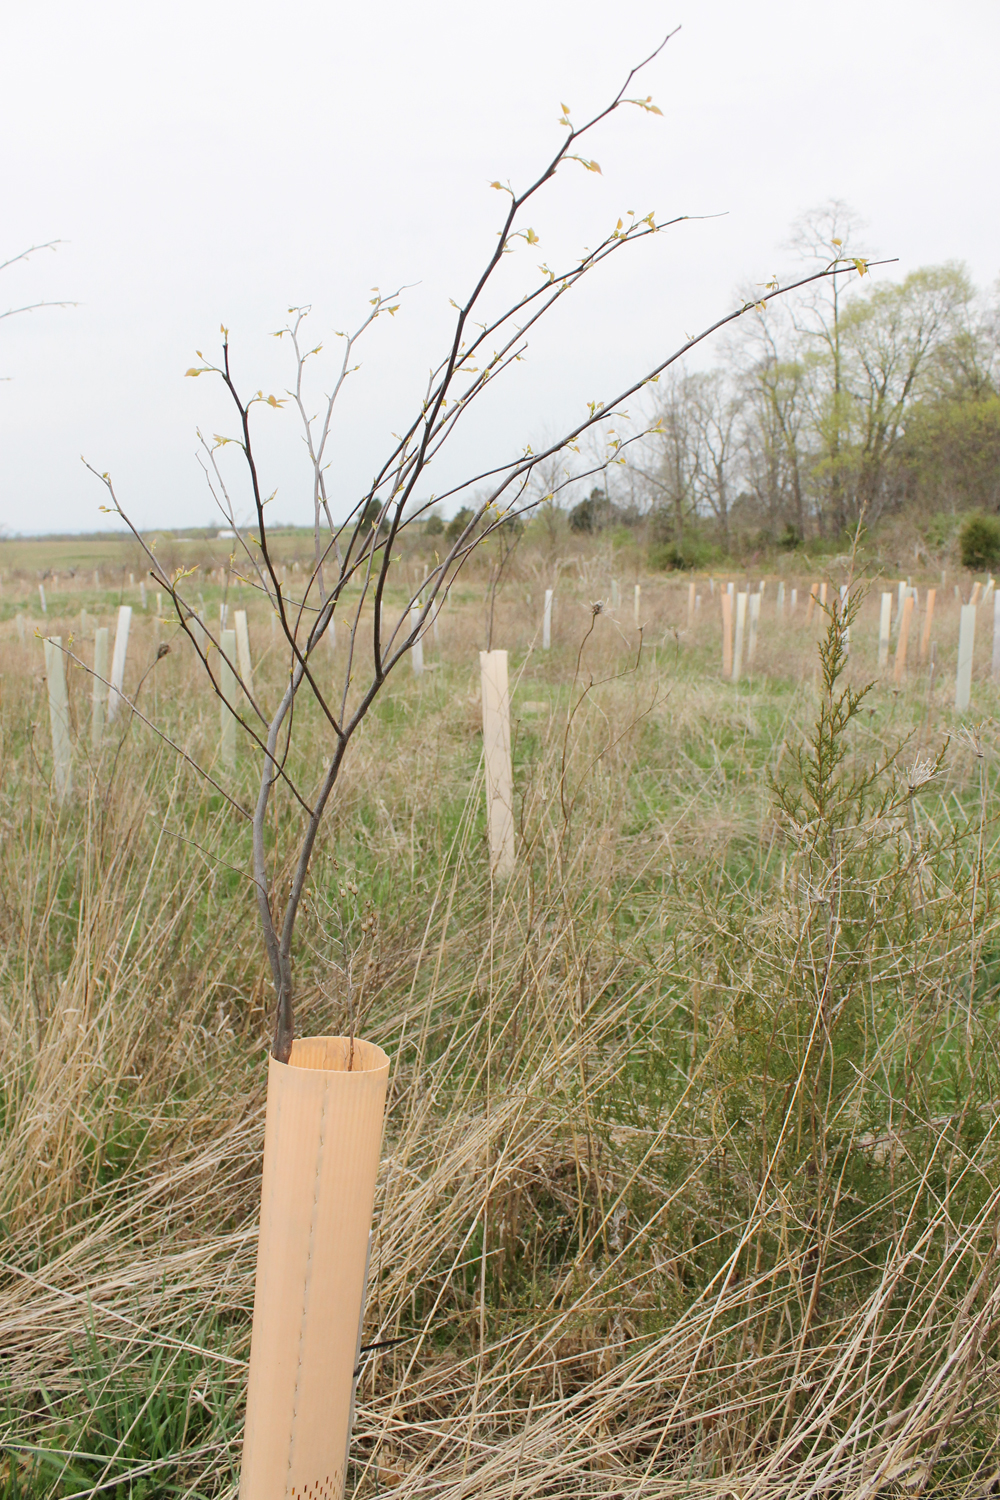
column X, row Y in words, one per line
column 243, row 649
column 62, row 750
column 116, row 695
column 227, row 682
column 497, row 762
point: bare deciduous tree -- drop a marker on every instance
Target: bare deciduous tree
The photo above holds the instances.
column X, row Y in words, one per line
column 349, row 578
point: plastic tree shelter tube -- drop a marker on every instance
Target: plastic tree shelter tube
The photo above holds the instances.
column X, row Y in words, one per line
column 322, row 1141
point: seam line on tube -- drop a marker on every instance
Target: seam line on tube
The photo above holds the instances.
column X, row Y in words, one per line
column 308, row 1279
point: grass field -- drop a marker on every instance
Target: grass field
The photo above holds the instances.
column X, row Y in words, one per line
column 691, row 1175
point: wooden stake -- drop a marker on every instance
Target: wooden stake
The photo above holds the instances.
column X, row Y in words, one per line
column 813, row 591
column 547, row 621
column 925, row 634
column 691, row 594
column 55, row 673
column 904, row 630
column 741, row 620
column 884, row 630
column 638, row 596
column 976, row 587
column 822, row 594
column 966, row 643
column 496, row 760
column 99, row 695
column 118, row 660
column 227, row 682
column 727, row 634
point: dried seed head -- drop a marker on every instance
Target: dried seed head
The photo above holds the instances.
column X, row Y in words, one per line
column 921, row 772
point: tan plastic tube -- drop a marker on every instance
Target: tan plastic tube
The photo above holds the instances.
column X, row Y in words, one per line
column 925, row 634
column 899, row 666
column 322, row 1140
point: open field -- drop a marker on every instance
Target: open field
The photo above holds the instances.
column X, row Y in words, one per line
column 26, row 561
column 691, row 1174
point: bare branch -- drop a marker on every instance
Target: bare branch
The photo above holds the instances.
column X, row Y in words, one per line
column 359, row 551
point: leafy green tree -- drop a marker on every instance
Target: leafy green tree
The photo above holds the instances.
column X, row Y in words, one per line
column 829, row 235
column 979, row 542
column 372, row 517
column 891, row 337
column 778, row 443
column 951, row 454
column 457, row 524
column 593, row 514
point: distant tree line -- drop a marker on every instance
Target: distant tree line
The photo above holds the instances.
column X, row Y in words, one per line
column 860, row 399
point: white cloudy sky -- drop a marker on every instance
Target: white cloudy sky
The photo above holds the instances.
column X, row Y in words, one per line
column 218, row 162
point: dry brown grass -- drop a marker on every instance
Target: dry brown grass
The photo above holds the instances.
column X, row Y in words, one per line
column 651, row 1223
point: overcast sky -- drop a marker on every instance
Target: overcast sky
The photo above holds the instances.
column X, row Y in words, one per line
column 219, row 162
